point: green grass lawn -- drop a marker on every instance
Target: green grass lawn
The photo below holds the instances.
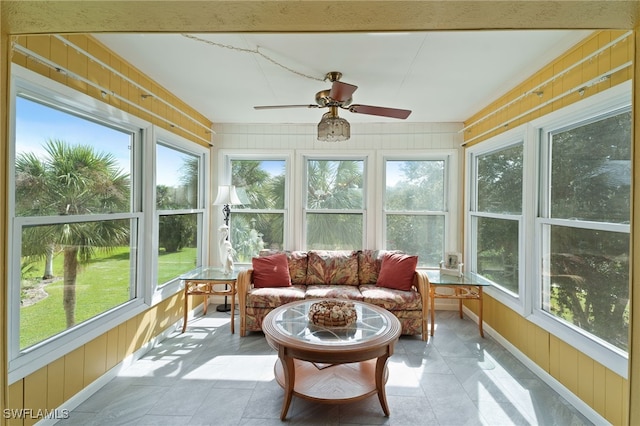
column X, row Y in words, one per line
column 101, row 285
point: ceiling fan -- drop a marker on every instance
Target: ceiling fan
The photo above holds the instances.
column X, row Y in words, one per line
column 332, row 127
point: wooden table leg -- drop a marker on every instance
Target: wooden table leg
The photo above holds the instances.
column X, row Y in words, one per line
column 186, row 306
column 433, row 310
column 233, row 306
column 480, row 311
column 206, row 303
column 289, row 371
column 381, row 366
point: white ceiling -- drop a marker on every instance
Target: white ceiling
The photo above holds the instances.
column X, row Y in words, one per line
column 440, row 76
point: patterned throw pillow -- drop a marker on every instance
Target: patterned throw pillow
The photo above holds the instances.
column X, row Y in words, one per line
column 297, row 264
column 369, row 262
column 332, row 267
column 397, row 271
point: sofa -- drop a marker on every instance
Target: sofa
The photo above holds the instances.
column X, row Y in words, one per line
column 388, row 279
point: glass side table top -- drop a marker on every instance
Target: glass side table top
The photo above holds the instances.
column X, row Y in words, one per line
column 467, row 278
column 292, row 321
column 209, row 273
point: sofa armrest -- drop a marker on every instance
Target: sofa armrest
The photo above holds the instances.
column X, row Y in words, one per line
column 243, row 285
column 421, row 283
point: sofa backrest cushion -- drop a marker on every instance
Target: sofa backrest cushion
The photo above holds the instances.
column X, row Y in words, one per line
column 271, row 271
column 397, row 271
column 332, row 267
column 297, row 264
column 369, row 262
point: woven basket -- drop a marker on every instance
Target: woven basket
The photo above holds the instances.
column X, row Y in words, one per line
column 332, row 314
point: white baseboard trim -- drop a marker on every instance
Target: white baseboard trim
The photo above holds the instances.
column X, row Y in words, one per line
column 97, row 384
column 579, row 404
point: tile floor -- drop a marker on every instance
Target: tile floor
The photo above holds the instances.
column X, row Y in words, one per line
column 207, row 376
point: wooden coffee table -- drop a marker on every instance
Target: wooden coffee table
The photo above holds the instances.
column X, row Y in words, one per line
column 331, row 365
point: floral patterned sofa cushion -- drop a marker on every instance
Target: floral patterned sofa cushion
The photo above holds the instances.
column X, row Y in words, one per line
column 272, row 297
column 391, row 299
column 332, row 267
column 328, row 291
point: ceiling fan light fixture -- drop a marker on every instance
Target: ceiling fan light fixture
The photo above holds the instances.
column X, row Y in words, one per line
column 333, row 128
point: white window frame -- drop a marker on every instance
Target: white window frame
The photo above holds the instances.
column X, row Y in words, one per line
column 601, row 104
column 519, row 301
column 450, row 201
column 158, row 292
column 532, row 235
column 225, row 158
column 22, row 363
column 367, row 178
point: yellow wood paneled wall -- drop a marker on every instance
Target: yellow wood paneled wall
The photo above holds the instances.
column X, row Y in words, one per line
column 496, row 118
column 52, row 385
column 602, row 389
column 49, row 387
column 186, row 124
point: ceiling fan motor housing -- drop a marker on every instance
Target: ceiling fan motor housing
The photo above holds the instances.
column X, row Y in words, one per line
column 324, row 99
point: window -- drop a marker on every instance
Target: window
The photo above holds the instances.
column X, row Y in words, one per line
column 496, row 214
column 584, row 223
column 94, row 240
column 259, row 222
column 179, row 207
column 414, row 208
column 334, row 207
column 75, row 243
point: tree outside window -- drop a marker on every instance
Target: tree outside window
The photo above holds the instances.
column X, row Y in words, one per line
column 177, row 197
column 414, row 208
column 334, row 205
column 497, row 215
column 259, row 222
column 73, row 213
column 586, row 227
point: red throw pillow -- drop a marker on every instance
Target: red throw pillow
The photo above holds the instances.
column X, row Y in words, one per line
column 271, row 271
column 397, row 271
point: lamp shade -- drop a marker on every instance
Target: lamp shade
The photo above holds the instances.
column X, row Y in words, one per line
column 333, row 128
column 227, row 196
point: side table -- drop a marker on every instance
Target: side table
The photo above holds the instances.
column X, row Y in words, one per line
column 467, row 286
column 203, row 281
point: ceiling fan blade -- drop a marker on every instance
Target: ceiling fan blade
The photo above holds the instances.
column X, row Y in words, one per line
column 341, row 92
column 284, row 106
column 381, row 111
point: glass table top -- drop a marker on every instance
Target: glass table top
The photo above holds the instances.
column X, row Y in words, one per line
column 293, row 322
column 467, row 278
column 209, row 273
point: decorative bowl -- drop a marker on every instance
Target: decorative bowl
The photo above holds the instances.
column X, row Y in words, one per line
column 332, row 314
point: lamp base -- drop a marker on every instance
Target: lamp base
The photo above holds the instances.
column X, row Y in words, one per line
column 223, row 308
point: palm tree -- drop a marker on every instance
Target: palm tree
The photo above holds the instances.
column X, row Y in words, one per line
column 71, row 180
column 334, row 185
